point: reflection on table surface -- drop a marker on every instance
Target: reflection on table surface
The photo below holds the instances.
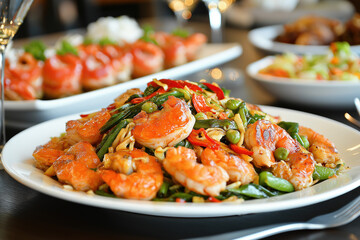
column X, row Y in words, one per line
column 28, row 214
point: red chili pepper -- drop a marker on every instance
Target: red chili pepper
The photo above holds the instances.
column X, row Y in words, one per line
column 208, row 142
column 200, row 103
column 141, row 99
column 213, row 199
column 111, row 107
column 170, row 83
column 219, row 92
column 84, row 115
column 180, row 200
column 240, row 150
column 190, row 86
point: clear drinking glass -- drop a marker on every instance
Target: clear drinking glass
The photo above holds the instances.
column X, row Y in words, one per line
column 182, row 9
column 216, row 8
column 12, row 14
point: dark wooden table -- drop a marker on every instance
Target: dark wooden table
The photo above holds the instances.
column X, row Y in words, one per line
column 28, row 214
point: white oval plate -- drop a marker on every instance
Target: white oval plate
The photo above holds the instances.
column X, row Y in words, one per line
column 23, row 114
column 329, row 94
column 19, row 165
column 263, row 38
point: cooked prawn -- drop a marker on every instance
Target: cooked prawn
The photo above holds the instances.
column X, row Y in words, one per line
column 181, row 164
column 121, row 61
column 147, row 58
column 166, row 127
column 76, row 166
column 323, row 149
column 134, row 174
column 45, row 155
column 87, row 128
column 237, row 168
column 298, row 169
column 23, row 78
column 193, row 44
column 173, row 48
column 263, row 137
column 61, row 76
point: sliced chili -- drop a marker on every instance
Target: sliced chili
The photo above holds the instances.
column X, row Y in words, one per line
column 213, row 199
column 200, row 103
column 141, row 99
column 218, row 91
column 170, row 83
column 207, row 142
column 240, row 150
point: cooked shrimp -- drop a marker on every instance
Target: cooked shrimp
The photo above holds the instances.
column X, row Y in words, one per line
column 121, row 61
column 76, row 166
column 45, row 155
column 237, row 168
column 23, row 78
column 181, row 164
column 61, row 76
column 173, row 48
column 323, row 149
column 147, row 58
column 193, row 44
column 120, row 100
column 98, row 71
column 166, row 127
column 298, row 169
column 263, row 137
column 142, row 184
column 87, row 128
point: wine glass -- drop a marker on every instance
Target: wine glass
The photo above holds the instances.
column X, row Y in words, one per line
column 182, row 9
column 216, row 8
column 12, row 14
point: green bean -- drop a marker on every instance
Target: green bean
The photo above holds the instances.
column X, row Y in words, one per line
column 186, row 196
column 242, row 113
column 323, row 173
column 280, row 184
column 123, row 107
column 184, row 143
column 136, row 95
column 233, row 104
column 293, row 129
column 200, row 116
column 215, row 123
column 187, row 95
column 109, row 139
column 150, row 90
column 233, row 136
column 163, row 191
column 149, row 107
column 305, row 141
column 281, row 153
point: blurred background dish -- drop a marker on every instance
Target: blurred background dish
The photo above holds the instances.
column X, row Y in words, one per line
column 254, row 13
column 23, row 114
column 320, row 94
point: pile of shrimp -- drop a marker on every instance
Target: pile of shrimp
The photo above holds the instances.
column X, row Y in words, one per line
column 90, row 66
column 186, row 142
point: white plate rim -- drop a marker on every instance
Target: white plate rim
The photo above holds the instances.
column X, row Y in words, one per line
column 308, row 197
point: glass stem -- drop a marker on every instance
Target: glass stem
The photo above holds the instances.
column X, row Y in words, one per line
column 2, row 110
column 215, row 24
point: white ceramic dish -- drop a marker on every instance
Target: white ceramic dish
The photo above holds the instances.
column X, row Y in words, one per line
column 19, row 165
column 263, row 38
column 22, row 114
column 327, row 94
column 245, row 14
